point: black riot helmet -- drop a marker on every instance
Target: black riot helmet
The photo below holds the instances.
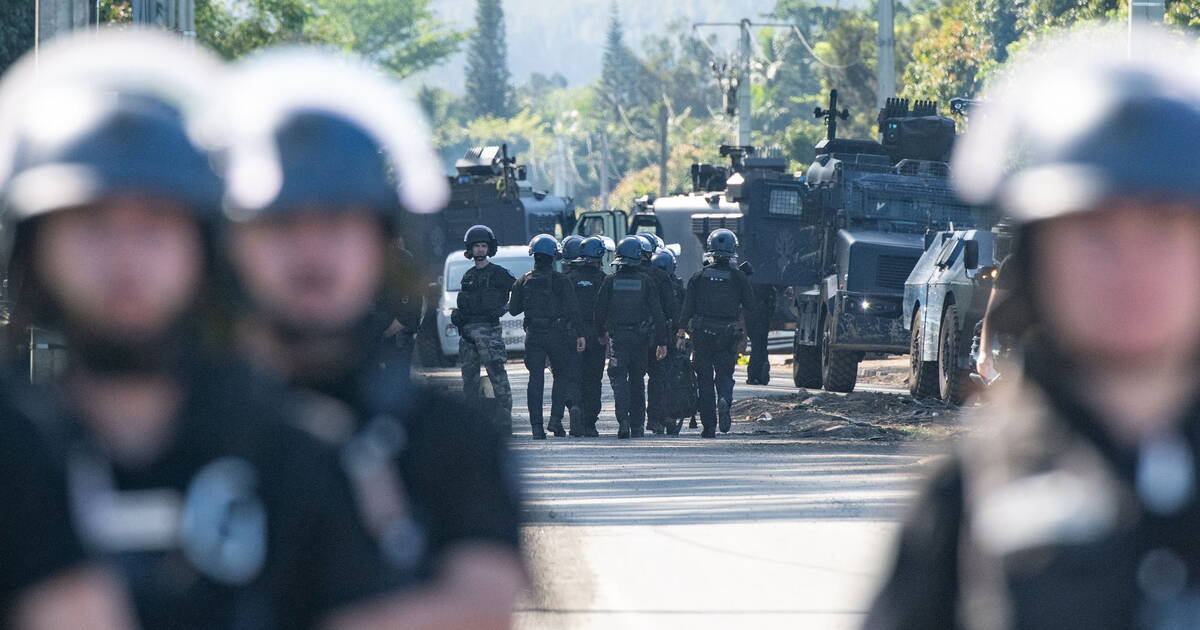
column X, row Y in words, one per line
column 664, row 260
column 75, row 131
column 722, row 243
column 480, row 234
column 648, row 244
column 544, row 245
column 316, row 131
column 629, row 251
column 1079, row 120
column 571, row 246
column 593, row 248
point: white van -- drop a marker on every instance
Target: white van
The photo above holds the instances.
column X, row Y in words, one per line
column 514, row 258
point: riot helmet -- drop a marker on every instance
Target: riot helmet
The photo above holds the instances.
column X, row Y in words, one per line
column 1077, row 122
column 544, row 245
column 571, row 246
column 480, row 234
column 609, row 244
column 629, row 251
column 593, row 248
column 295, row 140
column 648, row 244
column 722, row 243
column 664, row 260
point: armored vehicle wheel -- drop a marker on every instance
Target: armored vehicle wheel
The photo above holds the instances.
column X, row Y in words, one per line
column 839, row 368
column 806, row 364
column 953, row 382
column 923, row 375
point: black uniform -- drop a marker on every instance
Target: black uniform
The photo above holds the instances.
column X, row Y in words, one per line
column 1046, row 521
column 656, row 392
column 481, row 302
column 242, row 522
column 427, row 471
column 758, row 325
column 587, row 279
column 552, row 323
column 714, row 300
column 36, row 539
column 403, row 301
column 630, row 310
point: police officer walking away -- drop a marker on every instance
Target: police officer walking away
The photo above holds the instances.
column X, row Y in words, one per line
column 183, row 472
column 586, row 276
column 429, row 476
column 553, row 330
column 569, row 253
column 629, row 312
column 656, row 391
column 715, row 298
column 1075, row 503
column 481, row 302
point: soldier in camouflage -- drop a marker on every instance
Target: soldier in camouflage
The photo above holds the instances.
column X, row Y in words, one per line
column 481, row 302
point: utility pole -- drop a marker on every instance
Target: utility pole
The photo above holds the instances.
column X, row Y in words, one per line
column 1142, row 15
column 743, row 87
column 885, row 70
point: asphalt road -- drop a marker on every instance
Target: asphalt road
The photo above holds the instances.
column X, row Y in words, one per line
column 745, row 531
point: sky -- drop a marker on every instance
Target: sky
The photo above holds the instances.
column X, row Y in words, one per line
column 567, row 36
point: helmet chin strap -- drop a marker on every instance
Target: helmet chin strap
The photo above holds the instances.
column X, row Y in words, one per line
column 479, row 258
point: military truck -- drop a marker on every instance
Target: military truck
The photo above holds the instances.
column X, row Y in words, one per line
column 487, row 188
column 945, row 299
column 866, row 209
column 760, row 201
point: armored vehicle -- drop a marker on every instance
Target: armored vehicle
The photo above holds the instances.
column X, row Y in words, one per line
column 866, row 209
column 945, row 299
column 761, row 202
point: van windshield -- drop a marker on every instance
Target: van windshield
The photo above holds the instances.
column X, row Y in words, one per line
column 457, row 268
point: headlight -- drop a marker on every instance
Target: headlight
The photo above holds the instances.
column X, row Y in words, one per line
column 866, row 305
column 451, row 330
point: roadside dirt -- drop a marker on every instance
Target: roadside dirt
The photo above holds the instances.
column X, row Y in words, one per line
column 871, row 416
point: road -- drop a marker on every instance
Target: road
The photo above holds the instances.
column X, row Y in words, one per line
column 746, row 531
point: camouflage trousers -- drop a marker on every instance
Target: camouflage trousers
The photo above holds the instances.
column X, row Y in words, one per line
column 482, row 346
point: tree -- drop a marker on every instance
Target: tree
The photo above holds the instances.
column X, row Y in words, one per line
column 259, row 23
column 614, row 71
column 487, row 83
column 402, row 36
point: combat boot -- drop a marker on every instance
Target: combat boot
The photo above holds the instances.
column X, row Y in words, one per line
column 539, row 433
column 723, row 415
column 637, row 430
column 590, row 429
column 673, row 426
column 556, row 427
column 709, row 432
column 654, row 425
column 623, row 431
column 576, row 422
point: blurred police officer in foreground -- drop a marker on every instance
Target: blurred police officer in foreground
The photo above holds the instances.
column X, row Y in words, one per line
column 629, row 313
column 1075, row 503
column 586, row 276
column 481, row 302
column 714, row 300
column 403, row 301
column 310, row 254
column 46, row 580
column 552, row 332
column 656, row 389
column 182, row 473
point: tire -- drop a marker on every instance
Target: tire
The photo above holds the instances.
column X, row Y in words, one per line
column 839, row 368
column 953, row 383
column 806, row 364
column 923, row 375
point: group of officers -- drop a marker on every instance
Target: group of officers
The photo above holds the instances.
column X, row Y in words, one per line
column 231, row 443
column 635, row 319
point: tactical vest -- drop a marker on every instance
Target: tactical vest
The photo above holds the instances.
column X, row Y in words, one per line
column 482, row 292
column 717, row 294
column 543, row 304
column 586, row 281
column 628, row 306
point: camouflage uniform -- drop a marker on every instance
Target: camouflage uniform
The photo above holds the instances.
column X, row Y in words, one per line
column 484, row 297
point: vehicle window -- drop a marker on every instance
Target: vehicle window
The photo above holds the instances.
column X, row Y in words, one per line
column 592, row 226
column 515, row 265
